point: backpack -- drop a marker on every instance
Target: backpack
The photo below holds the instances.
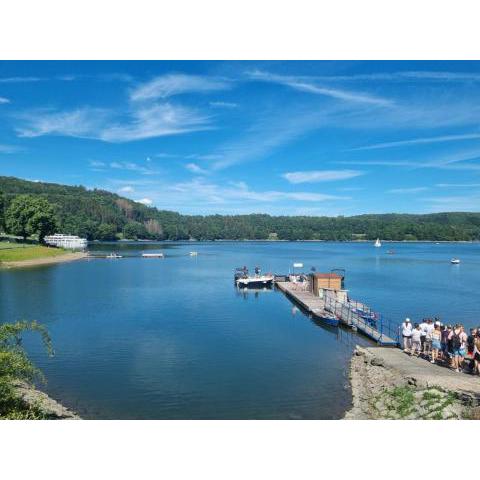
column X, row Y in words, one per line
column 456, row 343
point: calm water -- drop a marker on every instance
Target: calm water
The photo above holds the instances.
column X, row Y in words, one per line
column 172, row 339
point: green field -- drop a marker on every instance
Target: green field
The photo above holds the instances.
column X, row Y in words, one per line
column 15, row 253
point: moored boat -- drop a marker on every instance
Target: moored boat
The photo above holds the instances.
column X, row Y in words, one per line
column 255, row 281
column 327, row 317
column 113, row 255
column 377, row 243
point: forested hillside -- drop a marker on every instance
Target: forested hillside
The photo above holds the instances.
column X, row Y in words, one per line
column 98, row 214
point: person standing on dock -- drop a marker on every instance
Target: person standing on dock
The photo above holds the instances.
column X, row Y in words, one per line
column 423, row 337
column 407, row 335
column 416, row 340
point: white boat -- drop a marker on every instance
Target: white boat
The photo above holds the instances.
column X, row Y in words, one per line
column 153, row 255
column 377, row 243
column 255, row 281
column 455, row 261
column 113, row 255
column 193, row 254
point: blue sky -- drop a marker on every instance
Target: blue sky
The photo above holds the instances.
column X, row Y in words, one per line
column 296, row 138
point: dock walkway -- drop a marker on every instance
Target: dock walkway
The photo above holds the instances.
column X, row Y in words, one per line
column 306, row 299
column 345, row 312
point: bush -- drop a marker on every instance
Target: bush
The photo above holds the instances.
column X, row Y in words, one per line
column 15, row 366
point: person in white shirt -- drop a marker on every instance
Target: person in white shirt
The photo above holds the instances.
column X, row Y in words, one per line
column 423, row 328
column 407, row 335
column 427, row 346
column 416, row 340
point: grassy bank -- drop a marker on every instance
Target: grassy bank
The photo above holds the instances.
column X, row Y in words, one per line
column 17, row 253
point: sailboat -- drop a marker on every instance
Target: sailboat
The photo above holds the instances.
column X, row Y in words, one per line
column 377, row 243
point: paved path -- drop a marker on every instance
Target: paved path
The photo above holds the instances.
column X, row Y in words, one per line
column 425, row 373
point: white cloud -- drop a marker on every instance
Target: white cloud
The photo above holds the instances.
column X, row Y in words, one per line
column 419, row 141
column 145, row 122
column 19, row 79
column 458, row 185
column 175, row 84
column 314, row 176
column 4, row 100
column 308, row 85
column 9, row 148
column 194, row 168
column 224, row 104
column 132, row 166
column 126, row 189
column 146, row 201
column 408, row 190
column 235, row 191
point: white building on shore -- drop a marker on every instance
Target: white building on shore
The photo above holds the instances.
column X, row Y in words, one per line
column 72, row 242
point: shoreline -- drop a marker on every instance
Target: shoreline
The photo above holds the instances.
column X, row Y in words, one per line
column 388, row 384
column 67, row 257
column 53, row 409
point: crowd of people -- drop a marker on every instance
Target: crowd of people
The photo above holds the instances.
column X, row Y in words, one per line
column 444, row 344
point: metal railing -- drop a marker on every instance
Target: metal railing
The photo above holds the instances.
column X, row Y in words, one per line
column 363, row 318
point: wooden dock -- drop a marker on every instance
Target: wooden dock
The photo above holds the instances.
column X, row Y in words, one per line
column 345, row 312
column 306, row 299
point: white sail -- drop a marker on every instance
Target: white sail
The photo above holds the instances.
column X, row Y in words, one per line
column 378, row 243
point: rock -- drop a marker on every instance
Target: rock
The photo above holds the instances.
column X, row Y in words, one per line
column 377, row 362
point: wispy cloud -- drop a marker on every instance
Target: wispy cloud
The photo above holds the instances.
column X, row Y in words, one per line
column 400, row 76
column 133, row 167
column 314, row 176
column 408, row 190
column 308, row 85
column 19, row 79
column 100, row 166
column 4, row 100
column 9, row 148
column 224, row 104
column 175, row 84
column 146, row 201
column 213, row 193
column 194, row 168
column 454, row 161
column 458, row 185
column 419, row 141
column 126, row 189
column 101, row 124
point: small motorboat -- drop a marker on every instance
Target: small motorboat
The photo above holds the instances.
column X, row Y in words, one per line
column 193, row 254
column 455, row 261
column 153, row 255
column 255, row 281
column 113, row 255
column 327, row 317
column 391, row 252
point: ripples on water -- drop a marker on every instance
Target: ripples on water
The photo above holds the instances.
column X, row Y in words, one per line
column 172, row 338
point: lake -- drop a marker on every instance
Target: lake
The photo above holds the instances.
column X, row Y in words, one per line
column 173, row 339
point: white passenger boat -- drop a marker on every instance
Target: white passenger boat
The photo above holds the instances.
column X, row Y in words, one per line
column 153, row 255
column 193, row 254
column 455, row 261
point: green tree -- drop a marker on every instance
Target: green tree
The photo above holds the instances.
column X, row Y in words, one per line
column 135, row 230
column 30, row 215
column 106, row 231
column 15, row 366
column 2, row 211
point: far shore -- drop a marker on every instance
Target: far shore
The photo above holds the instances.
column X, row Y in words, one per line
column 34, row 262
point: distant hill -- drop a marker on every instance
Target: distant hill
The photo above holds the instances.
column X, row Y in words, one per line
column 99, row 214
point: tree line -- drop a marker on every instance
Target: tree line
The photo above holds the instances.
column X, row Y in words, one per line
column 36, row 208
